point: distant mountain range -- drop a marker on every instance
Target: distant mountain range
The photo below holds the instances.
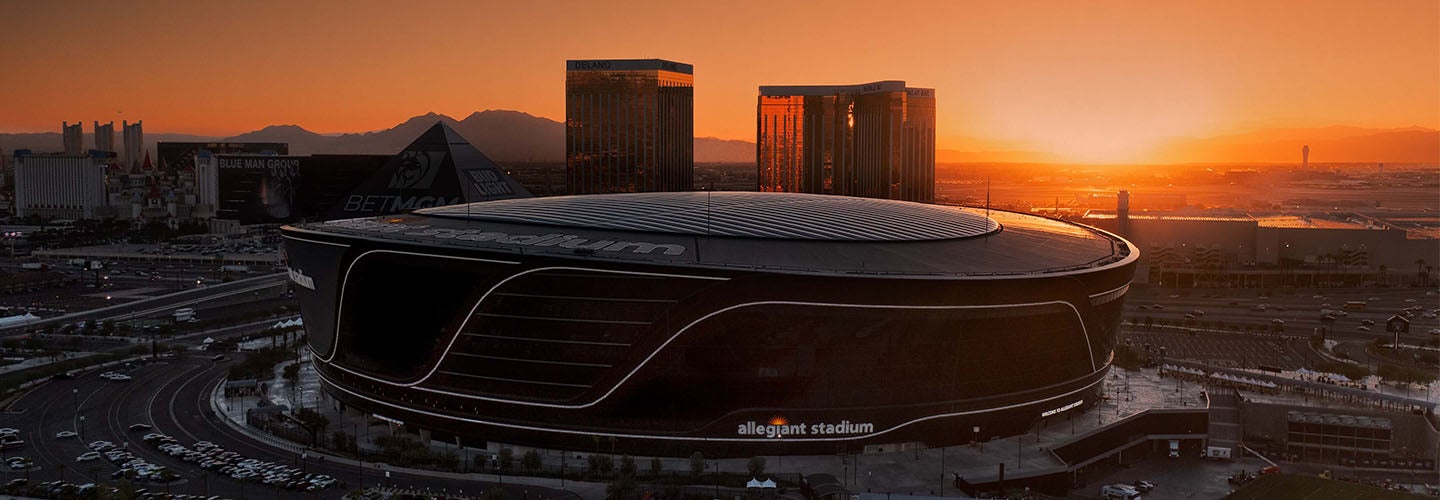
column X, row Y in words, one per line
column 514, row 136
column 508, row 136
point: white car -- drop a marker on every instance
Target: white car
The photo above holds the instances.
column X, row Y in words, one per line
column 65, row 434
column 1435, row 331
column 88, row 457
column 102, row 446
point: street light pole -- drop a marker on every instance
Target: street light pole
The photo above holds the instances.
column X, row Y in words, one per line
column 360, row 455
column 942, row 471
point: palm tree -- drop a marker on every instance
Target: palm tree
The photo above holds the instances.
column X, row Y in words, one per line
column 1420, row 269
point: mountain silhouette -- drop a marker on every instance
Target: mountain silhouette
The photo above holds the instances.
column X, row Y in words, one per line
column 515, row 136
column 1327, row 145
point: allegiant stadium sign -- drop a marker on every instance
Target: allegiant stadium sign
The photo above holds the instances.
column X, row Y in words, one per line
column 556, row 240
column 779, row 428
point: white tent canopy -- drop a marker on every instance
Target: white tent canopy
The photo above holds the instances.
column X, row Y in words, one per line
column 289, row 323
column 756, row 483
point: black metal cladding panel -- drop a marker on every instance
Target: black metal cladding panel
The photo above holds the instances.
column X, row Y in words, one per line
column 552, row 335
column 737, row 214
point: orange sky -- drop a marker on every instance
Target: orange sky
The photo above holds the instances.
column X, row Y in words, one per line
column 1090, row 80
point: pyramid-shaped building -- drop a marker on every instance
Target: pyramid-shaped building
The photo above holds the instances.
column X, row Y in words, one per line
column 439, row 168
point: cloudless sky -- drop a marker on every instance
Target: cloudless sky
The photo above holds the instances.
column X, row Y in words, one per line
column 1089, row 79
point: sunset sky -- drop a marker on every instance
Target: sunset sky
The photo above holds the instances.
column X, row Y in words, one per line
column 1087, row 79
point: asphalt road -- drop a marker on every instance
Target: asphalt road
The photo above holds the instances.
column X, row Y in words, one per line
column 172, row 395
column 240, row 290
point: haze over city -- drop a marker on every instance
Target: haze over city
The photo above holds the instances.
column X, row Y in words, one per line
column 841, row 250
column 1111, row 81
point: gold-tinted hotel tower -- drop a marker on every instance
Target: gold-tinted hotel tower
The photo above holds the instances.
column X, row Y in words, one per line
column 875, row 140
column 629, row 126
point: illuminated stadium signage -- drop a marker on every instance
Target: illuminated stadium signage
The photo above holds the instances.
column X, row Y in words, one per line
column 392, row 203
column 567, row 241
column 1054, row 411
column 779, row 428
column 383, row 418
column 300, row 278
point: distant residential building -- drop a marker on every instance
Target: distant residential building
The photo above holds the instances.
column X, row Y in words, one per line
column 58, row 187
column 134, row 137
column 629, row 126
column 74, row 138
column 105, row 136
column 875, row 140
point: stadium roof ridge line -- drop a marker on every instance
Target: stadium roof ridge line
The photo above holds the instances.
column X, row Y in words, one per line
column 567, row 241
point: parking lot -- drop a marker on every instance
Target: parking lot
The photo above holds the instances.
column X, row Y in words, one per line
column 1178, row 478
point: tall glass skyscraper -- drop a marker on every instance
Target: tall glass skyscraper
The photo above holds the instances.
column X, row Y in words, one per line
column 875, row 140
column 629, row 126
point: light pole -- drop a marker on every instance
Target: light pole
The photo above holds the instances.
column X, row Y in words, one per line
column 977, row 437
column 717, row 479
column 359, row 455
column 82, row 427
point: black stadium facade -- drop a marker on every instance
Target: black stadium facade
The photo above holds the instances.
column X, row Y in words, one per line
column 731, row 323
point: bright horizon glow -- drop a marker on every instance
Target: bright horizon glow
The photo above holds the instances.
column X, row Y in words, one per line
column 1102, row 81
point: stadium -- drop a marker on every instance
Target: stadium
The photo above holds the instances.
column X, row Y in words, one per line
column 730, row 323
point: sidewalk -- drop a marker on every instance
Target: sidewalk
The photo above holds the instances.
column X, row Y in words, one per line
column 899, row 471
column 233, row 411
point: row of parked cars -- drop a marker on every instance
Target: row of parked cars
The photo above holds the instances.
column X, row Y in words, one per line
column 62, row 489
column 213, row 457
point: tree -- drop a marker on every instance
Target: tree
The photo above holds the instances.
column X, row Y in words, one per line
column 108, row 327
column 342, row 442
column 124, row 490
column 495, row 494
column 1403, row 374
column 1149, row 322
column 291, row 372
column 627, row 466
column 312, row 421
column 655, row 467
column 697, row 463
column 531, row 461
column 621, row 488
column 507, row 458
column 756, row 466
column 601, row 464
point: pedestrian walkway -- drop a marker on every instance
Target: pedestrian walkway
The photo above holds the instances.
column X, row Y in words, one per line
column 233, row 410
column 895, row 470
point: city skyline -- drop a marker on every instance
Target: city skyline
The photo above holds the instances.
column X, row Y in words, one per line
column 1102, row 82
